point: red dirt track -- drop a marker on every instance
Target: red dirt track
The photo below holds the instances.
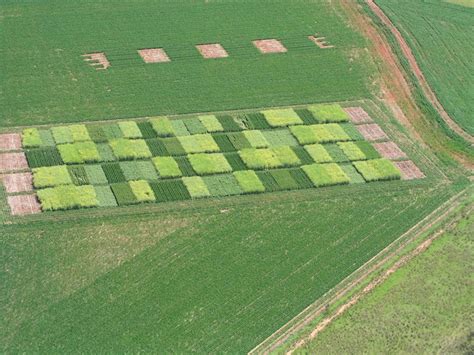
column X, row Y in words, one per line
column 429, row 93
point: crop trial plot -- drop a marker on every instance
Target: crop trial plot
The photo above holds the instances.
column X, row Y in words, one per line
column 20, row 182
column 12, row 162
column 267, row 46
column 409, row 170
column 154, row 55
column 10, row 141
column 358, row 115
column 23, row 205
column 390, row 150
column 372, row 132
column 164, row 159
column 210, row 51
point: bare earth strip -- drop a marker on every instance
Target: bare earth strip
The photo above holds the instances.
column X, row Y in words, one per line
column 282, row 335
column 429, row 93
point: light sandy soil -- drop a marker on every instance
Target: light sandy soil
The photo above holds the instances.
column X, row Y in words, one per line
column 211, row 51
column 358, row 115
column 390, row 150
column 21, row 205
column 267, row 46
column 409, row 170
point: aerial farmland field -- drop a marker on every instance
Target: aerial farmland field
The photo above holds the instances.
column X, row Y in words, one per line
column 190, row 176
column 43, row 45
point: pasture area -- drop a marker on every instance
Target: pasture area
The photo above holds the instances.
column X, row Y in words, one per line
column 422, row 308
column 206, row 276
column 439, row 33
column 45, row 77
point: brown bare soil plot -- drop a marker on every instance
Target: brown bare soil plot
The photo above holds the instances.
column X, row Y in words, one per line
column 97, row 60
column 21, row 205
column 18, row 182
column 390, row 150
column 320, row 42
column 409, row 170
column 372, row 132
column 154, row 55
column 211, row 51
column 358, row 115
column 12, row 162
column 10, row 141
column 266, row 46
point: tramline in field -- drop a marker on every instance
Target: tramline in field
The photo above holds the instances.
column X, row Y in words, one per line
column 167, row 159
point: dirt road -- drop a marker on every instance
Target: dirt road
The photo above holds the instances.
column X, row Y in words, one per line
column 429, row 93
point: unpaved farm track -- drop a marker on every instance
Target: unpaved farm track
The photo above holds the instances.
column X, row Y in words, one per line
column 429, row 93
column 282, row 335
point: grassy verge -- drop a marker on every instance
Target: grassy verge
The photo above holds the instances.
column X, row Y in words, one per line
column 423, row 307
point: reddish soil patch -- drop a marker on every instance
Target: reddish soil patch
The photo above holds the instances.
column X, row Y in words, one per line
column 211, row 51
column 407, row 52
column 320, row 42
column 18, row 182
column 409, row 170
column 390, row 150
column 154, row 55
column 372, row 132
column 10, row 141
column 266, row 46
column 21, row 205
column 97, row 60
column 358, row 115
column 12, row 162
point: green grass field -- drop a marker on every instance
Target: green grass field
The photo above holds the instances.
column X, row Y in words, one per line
column 44, row 78
column 424, row 307
column 439, row 34
column 190, row 277
column 210, row 275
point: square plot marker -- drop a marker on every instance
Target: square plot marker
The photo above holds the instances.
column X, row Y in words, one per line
column 372, row 132
column 409, row 170
column 358, row 115
column 154, row 55
column 18, row 182
column 21, row 205
column 10, row 141
column 210, row 51
column 12, row 162
column 390, row 150
column 267, row 46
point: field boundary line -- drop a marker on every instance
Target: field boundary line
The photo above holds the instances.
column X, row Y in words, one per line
column 416, row 70
column 351, row 282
